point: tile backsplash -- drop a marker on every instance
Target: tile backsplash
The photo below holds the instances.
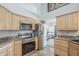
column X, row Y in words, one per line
column 4, row 33
column 68, row 33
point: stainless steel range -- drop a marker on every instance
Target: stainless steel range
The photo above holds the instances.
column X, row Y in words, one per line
column 27, row 36
column 28, row 41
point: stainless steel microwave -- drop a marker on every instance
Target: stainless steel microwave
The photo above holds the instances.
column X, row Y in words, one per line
column 25, row 26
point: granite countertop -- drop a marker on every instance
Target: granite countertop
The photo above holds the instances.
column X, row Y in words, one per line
column 75, row 41
column 63, row 38
column 70, row 39
column 6, row 40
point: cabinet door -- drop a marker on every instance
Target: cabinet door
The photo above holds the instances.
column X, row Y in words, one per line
column 36, row 43
column 78, row 19
column 7, row 50
column 2, row 18
column 60, row 23
column 72, row 49
column 5, row 19
column 9, row 21
column 24, row 20
column 63, row 22
column 4, row 52
column 11, row 49
column 18, row 48
column 78, row 50
column 33, row 26
column 72, row 21
column 16, row 22
column 61, row 47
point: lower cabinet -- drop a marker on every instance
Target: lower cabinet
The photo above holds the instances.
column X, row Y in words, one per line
column 78, row 50
column 36, row 43
column 61, row 47
column 73, row 49
column 12, row 49
column 18, row 48
column 7, row 50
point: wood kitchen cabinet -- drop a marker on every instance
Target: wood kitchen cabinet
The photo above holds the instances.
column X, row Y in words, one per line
column 5, row 19
column 9, row 21
column 61, row 23
column 78, row 49
column 78, row 19
column 72, row 21
column 16, row 22
column 68, row 21
column 73, row 49
column 7, row 50
column 61, row 47
column 2, row 18
column 33, row 26
column 24, row 20
column 18, row 48
column 36, row 25
column 36, row 43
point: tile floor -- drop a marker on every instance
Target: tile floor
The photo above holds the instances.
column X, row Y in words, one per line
column 45, row 52
column 48, row 51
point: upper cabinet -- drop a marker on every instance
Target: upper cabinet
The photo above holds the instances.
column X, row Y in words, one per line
column 24, row 20
column 72, row 21
column 11, row 21
column 16, row 22
column 33, row 26
column 34, row 23
column 61, row 23
column 67, row 22
column 5, row 19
